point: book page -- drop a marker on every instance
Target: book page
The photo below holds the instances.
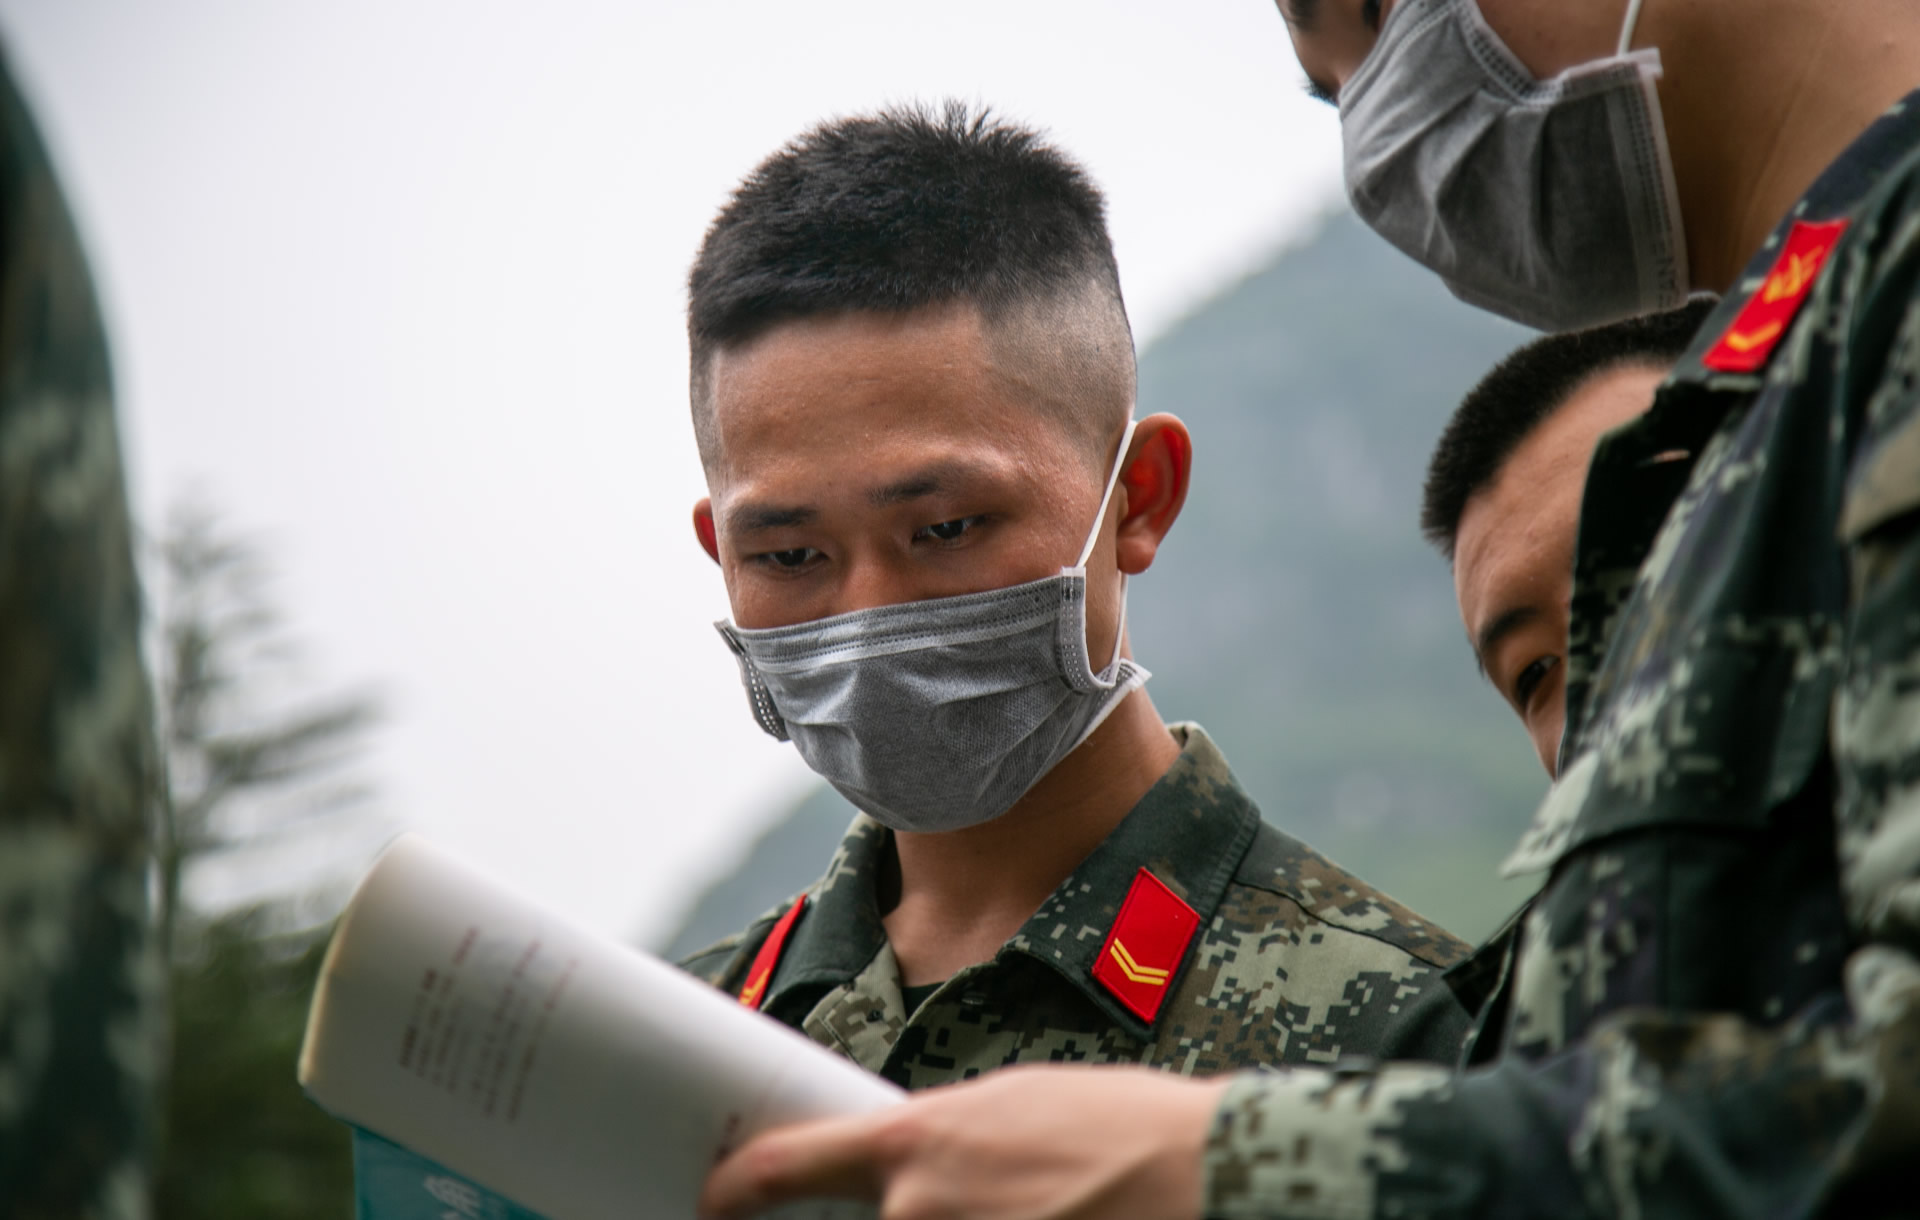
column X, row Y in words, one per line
column 573, row 1075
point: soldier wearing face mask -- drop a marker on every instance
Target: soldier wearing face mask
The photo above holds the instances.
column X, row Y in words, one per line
column 913, row 392
column 1713, row 1006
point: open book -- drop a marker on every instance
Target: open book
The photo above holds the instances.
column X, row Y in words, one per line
column 499, row 1063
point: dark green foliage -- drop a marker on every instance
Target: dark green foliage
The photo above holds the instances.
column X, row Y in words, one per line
column 1295, row 611
column 243, row 1140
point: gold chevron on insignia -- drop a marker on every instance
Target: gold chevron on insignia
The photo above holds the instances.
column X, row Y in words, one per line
column 1746, row 341
column 751, row 996
column 1136, row 973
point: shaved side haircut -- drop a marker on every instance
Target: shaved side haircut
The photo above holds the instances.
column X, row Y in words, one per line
column 1526, row 388
column 917, row 208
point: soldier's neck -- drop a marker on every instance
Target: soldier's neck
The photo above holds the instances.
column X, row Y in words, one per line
column 1760, row 97
column 964, row 893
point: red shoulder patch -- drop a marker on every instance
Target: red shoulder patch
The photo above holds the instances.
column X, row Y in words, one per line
column 1758, row 327
column 1146, row 945
column 769, row 956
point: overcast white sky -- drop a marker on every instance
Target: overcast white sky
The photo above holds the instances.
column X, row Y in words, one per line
column 398, row 285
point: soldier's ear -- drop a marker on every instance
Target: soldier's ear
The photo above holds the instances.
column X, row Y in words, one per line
column 1153, row 485
column 703, row 528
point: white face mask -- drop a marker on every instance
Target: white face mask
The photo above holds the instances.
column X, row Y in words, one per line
column 938, row 715
column 1550, row 202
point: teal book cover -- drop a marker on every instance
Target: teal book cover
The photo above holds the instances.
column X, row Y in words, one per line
column 391, row 1183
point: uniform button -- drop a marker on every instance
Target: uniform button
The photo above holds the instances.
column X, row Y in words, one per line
column 874, row 1014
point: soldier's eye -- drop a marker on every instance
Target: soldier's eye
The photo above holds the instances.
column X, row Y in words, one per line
column 1530, row 679
column 797, row 557
column 949, row 531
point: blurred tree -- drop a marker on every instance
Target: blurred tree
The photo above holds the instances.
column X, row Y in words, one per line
column 263, row 795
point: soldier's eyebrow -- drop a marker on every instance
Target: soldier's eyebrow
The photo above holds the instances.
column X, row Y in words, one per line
column 1502, row 625
column 750, row 517
column 755, row 516
column 927, row 481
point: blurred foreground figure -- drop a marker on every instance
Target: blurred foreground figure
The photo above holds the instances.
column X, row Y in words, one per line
column 80, row 985
column 1713, row 1006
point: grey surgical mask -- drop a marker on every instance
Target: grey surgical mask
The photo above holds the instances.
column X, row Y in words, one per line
column 1549, row 202
column 938, row 715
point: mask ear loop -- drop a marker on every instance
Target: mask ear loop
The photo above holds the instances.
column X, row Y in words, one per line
column 1626, row 29
column 1100, row 519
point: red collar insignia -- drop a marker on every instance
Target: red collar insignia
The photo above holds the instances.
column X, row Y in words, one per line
column 761, row 972
column 1758, row 328
column 1146, row 945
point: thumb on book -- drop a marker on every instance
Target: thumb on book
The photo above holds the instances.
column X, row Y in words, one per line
column 829, row 1158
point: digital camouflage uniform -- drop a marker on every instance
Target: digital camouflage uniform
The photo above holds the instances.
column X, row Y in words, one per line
column 1713, row 1007
column 1294, row 961
column 80, row 985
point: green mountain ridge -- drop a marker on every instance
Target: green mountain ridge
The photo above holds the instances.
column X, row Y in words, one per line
column 1294, row 610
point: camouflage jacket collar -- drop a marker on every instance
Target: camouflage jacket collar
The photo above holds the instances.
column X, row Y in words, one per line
column 1477, row 979
column 1834, row 195
column 1191, row 830
column 1632, row 483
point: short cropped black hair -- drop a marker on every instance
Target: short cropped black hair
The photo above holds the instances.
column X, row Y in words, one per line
column 907, row 208
column 1527, row 387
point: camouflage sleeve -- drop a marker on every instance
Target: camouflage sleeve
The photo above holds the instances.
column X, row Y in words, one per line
column 1652, row 1116
column 80, row 982
column 1691, row 1114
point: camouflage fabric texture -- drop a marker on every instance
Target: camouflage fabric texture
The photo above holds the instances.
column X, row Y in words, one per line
column 80, row 980
column 1294, row 960
column 1713, row 1006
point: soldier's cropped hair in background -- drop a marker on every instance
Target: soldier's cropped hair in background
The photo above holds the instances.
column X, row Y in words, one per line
column 918, row 207
column 1527, row 387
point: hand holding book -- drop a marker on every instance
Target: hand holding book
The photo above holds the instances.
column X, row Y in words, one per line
column 503, row 1059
